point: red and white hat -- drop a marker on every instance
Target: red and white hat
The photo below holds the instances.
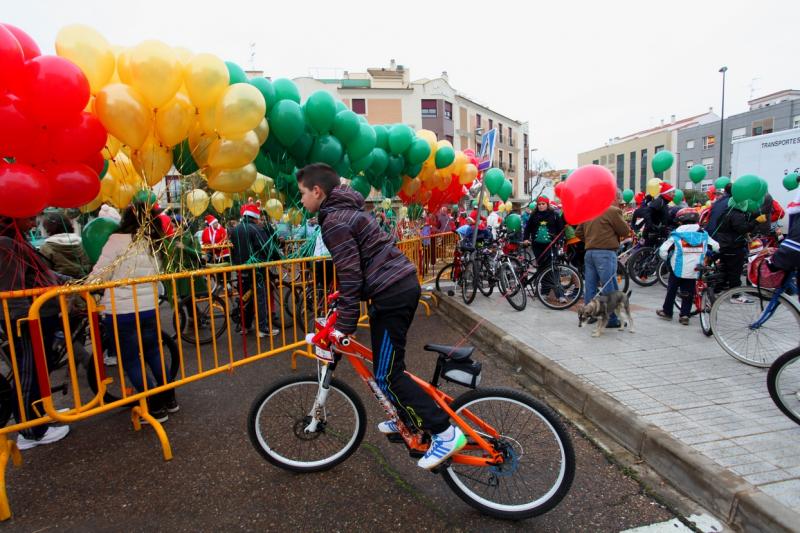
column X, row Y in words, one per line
column 210, row 219
column 666, row 189
column 250, row 210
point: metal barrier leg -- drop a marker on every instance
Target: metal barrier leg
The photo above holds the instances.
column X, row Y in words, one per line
column 141, row 411
column 432, row 297
column 426, row 306
column 8, row 448
column 301, row 353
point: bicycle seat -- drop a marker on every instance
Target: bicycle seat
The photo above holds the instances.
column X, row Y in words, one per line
column 451, row 352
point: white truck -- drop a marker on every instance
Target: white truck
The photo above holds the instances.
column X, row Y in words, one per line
column 771, row 157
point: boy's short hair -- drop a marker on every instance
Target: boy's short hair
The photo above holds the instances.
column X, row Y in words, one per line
column 318, row 174
column 55, row 223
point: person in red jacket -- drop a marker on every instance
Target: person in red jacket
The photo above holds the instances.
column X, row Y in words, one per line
column 216, row 234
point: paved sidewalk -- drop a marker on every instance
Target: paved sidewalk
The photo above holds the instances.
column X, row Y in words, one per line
column 673, row 377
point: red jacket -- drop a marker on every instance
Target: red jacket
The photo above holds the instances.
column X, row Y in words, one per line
column 211, row 236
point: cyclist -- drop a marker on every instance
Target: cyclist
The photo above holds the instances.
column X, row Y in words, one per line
column 543, row 226
column 369, row 267
column 657, row 217
column 686, row 250
column 787, row 256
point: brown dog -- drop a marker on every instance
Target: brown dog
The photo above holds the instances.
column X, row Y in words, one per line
column 602, row 306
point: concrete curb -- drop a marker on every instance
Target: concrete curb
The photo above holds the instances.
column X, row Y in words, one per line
column 742, row 505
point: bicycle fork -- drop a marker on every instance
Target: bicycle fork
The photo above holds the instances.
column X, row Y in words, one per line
column 317, row 414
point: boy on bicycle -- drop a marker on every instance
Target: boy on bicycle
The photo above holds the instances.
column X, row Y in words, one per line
column 369, row 267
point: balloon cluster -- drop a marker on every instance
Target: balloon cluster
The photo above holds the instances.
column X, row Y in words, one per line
column 49, row 145
column 747, row 193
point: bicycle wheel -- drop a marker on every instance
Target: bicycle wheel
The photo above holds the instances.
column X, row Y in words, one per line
column 561, row 290
column 642, row 266
column 469, row 282
column 706, row 303
column 511, row 287
column 485, row 281
column 444, row 278
column 663, row 273
column 623, row 280
column 300, row 307
column 206, row 308
column 783, row 383
column 731, row 325
column 539, row 463
column 279, row 415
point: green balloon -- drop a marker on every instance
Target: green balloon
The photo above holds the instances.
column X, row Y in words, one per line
column 327, row 149
column 475, row 203
column 381, row 137
column 389, row 214
column 105, row 169
column 391, row 187
column 320, row 110
column 267, row 90
column 362, row 119
column 235, row 73
column 380, row 160
column 747, row 187
column 340, row 106
column 343, row 167
column 414, row 211
column 627, row 195
column 146, row 197
column 346, row 126
column 418, row 152
column 183, row 160
column 506, row 189
column 274, row 150
column 445, row 155
column 375, row 180
column 400, row 138
column 301, row 148
column 494, row 179
column 395, row 166
column 363, row 144
column 697, row 173
column 360, row 184
column 678, row 197
column 762, row 188
column 360, row 165
column 532, row 205
column 95, row 234
column 286, row 90
column 286, row 121
column 721, row 183
column 513, row 222
column 790, row 181
column 412, row 171
column 662, row 161
column 262, row 163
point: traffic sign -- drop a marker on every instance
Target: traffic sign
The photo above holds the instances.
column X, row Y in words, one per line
column 487, row 150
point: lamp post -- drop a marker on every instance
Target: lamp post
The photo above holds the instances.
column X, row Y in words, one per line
column 722, row 121
column 530, row 173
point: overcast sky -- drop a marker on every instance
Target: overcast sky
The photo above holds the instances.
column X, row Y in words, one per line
column 578, row 72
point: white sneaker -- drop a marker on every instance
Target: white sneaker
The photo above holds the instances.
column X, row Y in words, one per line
column 53, row 434
column 562, row 299
column 443, row 445
column 741, row 299
column 272, row 333
column 110, row 360
column 387, row 427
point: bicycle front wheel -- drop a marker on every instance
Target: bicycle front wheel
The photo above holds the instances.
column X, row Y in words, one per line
column 469, row 282
column 559, row 286
column 734, row 326
column 783, row 383
column 280, row 414
column 539, row 461
column 445, row 278
column 511, row 287
column 643, row 266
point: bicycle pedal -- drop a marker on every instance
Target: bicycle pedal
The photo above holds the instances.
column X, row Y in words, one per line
column 395, row 438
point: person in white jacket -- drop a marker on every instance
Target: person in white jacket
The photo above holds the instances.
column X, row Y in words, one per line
column 129, row 254
column 686, row 249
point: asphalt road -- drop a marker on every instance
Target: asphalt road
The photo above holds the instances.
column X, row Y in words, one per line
column 106, row 477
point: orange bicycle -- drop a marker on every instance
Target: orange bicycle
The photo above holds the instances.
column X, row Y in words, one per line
column 518, row 462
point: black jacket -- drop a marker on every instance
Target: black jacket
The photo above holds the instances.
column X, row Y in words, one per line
column 657, row 215
column 253, row 243
column 553, row 221
column 732, row 229
column 718, row 208
column 787, row 256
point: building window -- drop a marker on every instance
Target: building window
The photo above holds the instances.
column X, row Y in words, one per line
column 510, row 161
column 659, row 148
column 633, row 170
column 500, row 131
column 795, row 122
column 359, row 106
column 428, row 108
column 448, row 110
column 690, row 144
column 510, row 138
column 525, row 135
column 449, row 138
column 173, row 183
column 738, row 133
column 709, row 141
column 643, row 173
column 689, row 164
column 500, row 158
column 708, row 162
column 491, row 124
column 621, row 171
column 477, row 120
column 595, row 162
column 762, row 127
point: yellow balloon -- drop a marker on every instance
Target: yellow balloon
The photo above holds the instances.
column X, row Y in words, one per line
column 122, row 169
column 183, row 53
column 443, row 182
column 124, row 114
column 509, row 206
column 221, row 201
column 262, row 130
column 233, row 153
column 232, row 180
column 403, row 211
column 459, row 163
column 200, row 144
column 429, row 136
column 386, row 203
column 444, row 143
column 240, row 109
column 653, row 187
column 260, row 184
column 428, row 170
column 174, row 120
column 155, row 71
column 124, row 66
column 295, row 216
column 90, row 51
column 117, row 193
column 206, row 78
column 274, row 209
column 487, row 203
column 152, row 161
column 207, row 118
column 111, row 148
column 94, row 204
column 411, row 185
column 197, row 201
column 468, row 175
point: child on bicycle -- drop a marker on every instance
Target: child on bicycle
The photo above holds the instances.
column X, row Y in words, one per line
column 685, row 249
column 369, row 267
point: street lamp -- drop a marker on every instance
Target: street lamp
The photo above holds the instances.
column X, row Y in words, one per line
column 722, row 121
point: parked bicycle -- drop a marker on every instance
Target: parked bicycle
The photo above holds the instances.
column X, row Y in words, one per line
column 783, row 383
column 518, row 462
column 704, row 296
column 556, row 283
column 498, row 269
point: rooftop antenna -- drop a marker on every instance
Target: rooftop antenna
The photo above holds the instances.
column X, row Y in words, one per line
column 252, row 56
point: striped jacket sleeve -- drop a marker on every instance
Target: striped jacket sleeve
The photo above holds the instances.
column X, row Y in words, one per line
column 337, row 233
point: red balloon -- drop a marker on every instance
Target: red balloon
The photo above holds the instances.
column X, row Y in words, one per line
column 55, row 90
column 17, row 131
column 96, row 162
column 25, row 190
column 79, row 140
column 73, row 184
column 406, row 199
column 12, row 60
column 29, row 47
column 558, row 188
column 587, row 193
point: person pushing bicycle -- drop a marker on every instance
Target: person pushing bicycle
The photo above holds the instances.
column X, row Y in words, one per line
column 370, row 267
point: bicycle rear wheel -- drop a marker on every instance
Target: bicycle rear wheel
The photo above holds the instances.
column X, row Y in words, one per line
column 560, row 290
column 469, row 282
column 511, row 287
column 783, row 383
column 539, row 461
column 731, row 325
column 207, row 309
column 643, row 266
column 280, row 414
column 663, row 273
column 485, row 281
column 707, row 299
column 445, row 278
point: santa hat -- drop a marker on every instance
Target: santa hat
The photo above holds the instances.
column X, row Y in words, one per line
column 543, row 199
column 666, row 189
column 250, row 210
column 210, row 219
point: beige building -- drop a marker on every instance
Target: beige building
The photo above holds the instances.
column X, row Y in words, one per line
column 387, row 95
column 629, row 157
